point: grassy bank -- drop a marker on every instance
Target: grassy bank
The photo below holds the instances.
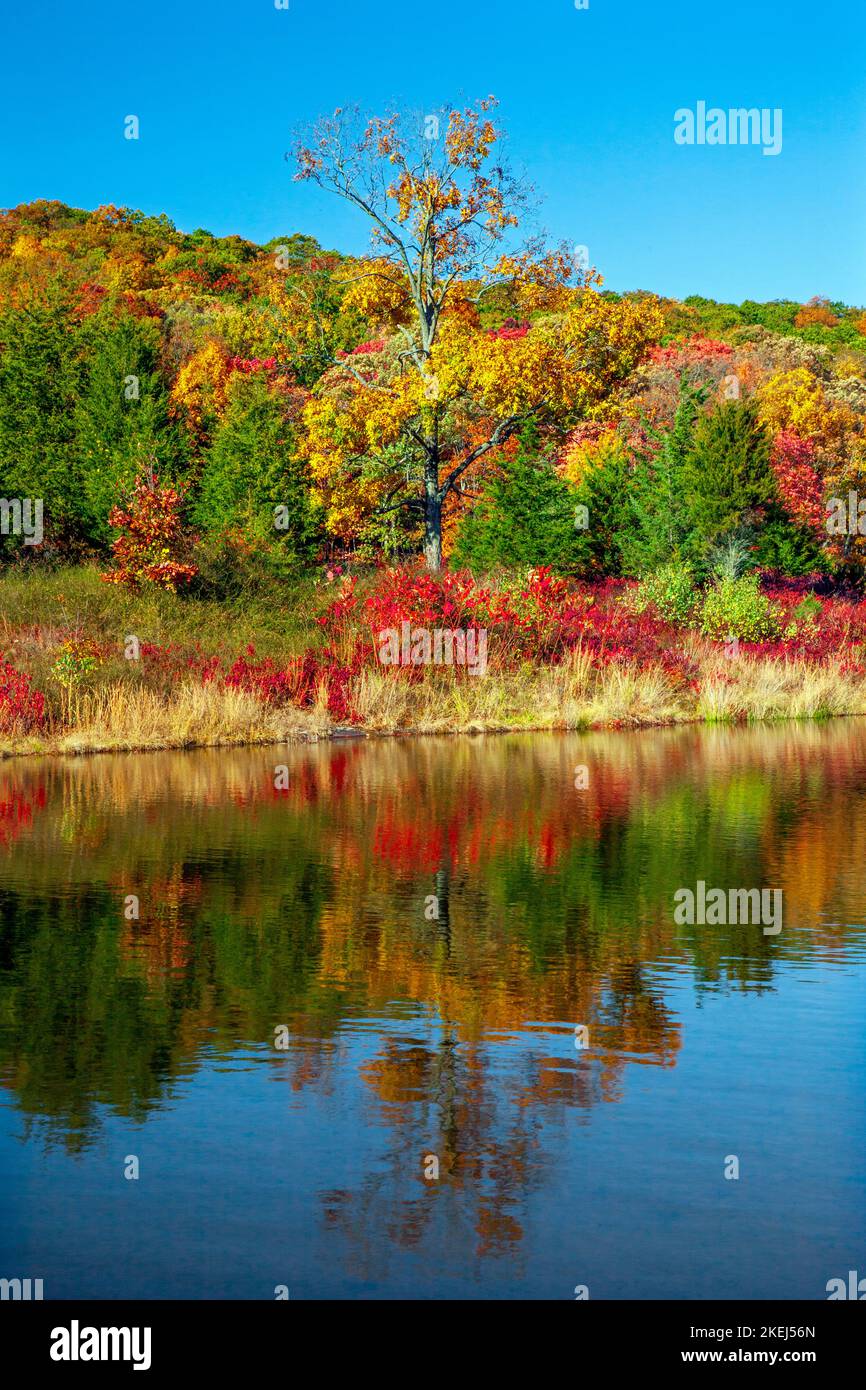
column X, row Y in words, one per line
column 207, row 673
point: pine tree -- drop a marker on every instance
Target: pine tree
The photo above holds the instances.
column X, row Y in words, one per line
column 122, row 414
column 251, row 471
column 526, row 517
column 39, row 378
column 604, row 492
column 659, row 529
column 727, row 476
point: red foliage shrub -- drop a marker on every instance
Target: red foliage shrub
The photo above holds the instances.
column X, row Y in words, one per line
column 694, row 349
column 298, row 683
column 510, row 330
column 540, row 617
column 21, row 707
column 252, row 364
column 374, row 345
column 800, row 486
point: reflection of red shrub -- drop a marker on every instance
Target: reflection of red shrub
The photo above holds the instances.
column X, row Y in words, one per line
column 16, row 812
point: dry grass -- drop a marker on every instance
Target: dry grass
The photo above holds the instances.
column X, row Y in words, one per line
column 122, row 716
column 568, row 696
column 778, row 689
column 117, row 717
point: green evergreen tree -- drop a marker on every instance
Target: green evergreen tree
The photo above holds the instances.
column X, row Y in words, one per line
column 780, row 544
column 122, row 414
column 250, row 471
column 39, row 381
column 659, row 528
column 526, row 516
column 604, row 492
column 727, row 477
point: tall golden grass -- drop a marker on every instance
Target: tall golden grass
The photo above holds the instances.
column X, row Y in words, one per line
column 572, row 695
column 120, row 717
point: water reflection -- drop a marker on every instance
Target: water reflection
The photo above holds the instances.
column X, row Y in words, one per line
column 430, row 920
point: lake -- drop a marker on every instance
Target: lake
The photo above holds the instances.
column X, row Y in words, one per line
column 415, row 1018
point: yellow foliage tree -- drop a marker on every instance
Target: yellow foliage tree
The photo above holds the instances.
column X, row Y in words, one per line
column 201, row 388
column 397, row 424
column 795, row 401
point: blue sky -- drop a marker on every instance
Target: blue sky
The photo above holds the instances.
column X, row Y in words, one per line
column 588, row 98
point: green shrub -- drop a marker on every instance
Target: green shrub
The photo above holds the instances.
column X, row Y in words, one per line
column 808, row 610
column 780, row 544
column 604, row 492
column 671, row 591
column 737, row 608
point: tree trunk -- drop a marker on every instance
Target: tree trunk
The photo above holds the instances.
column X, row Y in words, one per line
column 432, row 519
column 433, row 536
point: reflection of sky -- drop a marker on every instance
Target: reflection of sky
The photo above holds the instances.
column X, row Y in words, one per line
column 628, row 1197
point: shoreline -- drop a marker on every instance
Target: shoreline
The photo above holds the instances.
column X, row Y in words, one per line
column 67, row 746
column 71, row 688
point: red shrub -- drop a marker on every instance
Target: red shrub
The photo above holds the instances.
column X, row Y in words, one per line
column 510, row 330
column 800, row 487
column 694, row 349
column 21, row 707
column 298, row 683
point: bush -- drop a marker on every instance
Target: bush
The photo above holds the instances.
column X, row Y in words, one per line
column 737, row 608
column 152, row 539
column 780, row 544
column 21, row 707
column 671, row 591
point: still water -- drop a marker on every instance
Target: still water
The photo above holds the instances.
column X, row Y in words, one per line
column 342, row 1039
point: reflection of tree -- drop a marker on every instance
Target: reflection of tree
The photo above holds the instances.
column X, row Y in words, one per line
column 443, row 904
column 439, row 1100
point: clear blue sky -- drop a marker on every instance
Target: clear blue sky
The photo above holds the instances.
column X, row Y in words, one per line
column 588, row 98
